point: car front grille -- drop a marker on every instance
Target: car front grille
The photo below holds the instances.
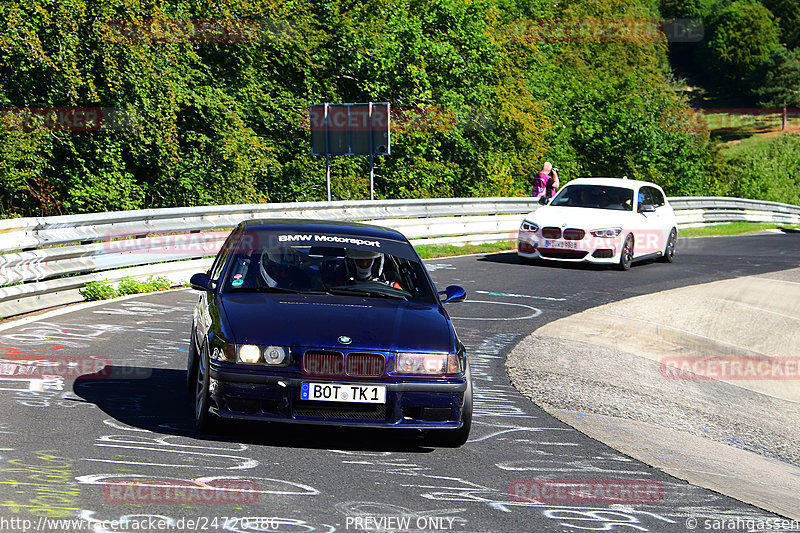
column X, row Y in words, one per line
column 563, row 254
column 365, row 364
column 339, row 410
column 572, row 234
column 330, row 363
column 550, row 232
column 323, row 363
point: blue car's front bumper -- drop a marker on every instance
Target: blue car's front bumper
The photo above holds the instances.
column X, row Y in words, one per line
column 412, row 404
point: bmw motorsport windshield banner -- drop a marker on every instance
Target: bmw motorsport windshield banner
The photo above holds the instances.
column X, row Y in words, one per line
column 256, row 239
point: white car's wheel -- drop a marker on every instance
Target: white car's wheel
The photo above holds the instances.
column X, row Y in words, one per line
column 669, row 250
column 626, row 256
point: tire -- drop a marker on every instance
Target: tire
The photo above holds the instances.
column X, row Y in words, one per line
column 191, row 365
column 669, row 250
column 205, row 421
column 455, row 438
column 626, row 255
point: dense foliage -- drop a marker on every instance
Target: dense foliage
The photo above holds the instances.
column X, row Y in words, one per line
column 491, row 92
column 749, row 57
column 738, row 42
column 788, row 18
column 767, row 170
column 742, row 38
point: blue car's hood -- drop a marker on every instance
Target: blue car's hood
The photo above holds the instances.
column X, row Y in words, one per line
column 319, row 320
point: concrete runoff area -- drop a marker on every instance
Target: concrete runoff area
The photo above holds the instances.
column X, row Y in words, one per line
column 603, row 372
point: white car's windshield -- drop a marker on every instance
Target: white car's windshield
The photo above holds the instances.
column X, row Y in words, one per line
column 596, row 197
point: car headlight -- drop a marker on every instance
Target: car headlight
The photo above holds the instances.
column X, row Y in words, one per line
column 606, row 233
column 275, row 355
column 248, row 353
column 427, row 363
column 528, row 226
column 253, row 354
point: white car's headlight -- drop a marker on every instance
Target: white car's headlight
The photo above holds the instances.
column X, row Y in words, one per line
column 427, row 363
column 528, row 226
column 606, row 233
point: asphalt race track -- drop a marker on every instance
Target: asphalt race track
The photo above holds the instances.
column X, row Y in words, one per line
column 77, row 447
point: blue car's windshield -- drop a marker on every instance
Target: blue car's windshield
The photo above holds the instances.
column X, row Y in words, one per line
column 335, row 264
column 595, row 196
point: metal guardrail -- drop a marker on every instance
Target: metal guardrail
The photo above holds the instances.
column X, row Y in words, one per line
column 45, row 261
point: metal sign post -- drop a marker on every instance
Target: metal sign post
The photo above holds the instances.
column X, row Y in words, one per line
column 327, row 155
column 371, row 154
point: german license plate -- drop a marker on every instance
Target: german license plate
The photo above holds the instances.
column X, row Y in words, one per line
column 561, row 244
column 337, row 392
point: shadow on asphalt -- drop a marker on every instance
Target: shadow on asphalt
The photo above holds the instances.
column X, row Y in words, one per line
column 510, row 258
column 155, row 399
column 698, row 260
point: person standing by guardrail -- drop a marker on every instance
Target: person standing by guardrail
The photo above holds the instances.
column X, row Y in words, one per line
column 545, row 184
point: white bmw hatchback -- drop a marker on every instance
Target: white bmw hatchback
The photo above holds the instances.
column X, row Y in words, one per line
column 601, row 220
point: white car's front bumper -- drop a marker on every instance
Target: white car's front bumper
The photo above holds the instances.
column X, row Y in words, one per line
column 531, row 245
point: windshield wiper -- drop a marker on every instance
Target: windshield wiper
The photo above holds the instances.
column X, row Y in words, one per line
column 357, row 291
column 275, row 289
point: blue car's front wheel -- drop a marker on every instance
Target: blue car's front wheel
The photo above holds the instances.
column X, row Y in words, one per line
column 203, row 418
column 191, row 365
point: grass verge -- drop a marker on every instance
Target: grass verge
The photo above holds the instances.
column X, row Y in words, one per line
column 430, row 251
column 102, row 290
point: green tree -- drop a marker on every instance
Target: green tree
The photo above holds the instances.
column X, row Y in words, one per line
column 781, row 81
column 705, row 10
column 482, row 101
column 788, row 16
column 743, row 37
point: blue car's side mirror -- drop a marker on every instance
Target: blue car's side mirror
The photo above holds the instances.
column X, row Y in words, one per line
column 453, row 293
column 202, row 282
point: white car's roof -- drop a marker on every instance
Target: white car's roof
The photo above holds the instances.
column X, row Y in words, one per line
column 613, row 182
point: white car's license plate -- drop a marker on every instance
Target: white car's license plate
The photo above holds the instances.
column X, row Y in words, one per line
column 561, row 244
column 337, row 392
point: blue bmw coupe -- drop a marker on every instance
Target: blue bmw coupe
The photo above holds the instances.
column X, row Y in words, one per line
column 322, row 322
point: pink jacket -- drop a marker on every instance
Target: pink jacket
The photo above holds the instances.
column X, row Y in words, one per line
column 540, row 184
